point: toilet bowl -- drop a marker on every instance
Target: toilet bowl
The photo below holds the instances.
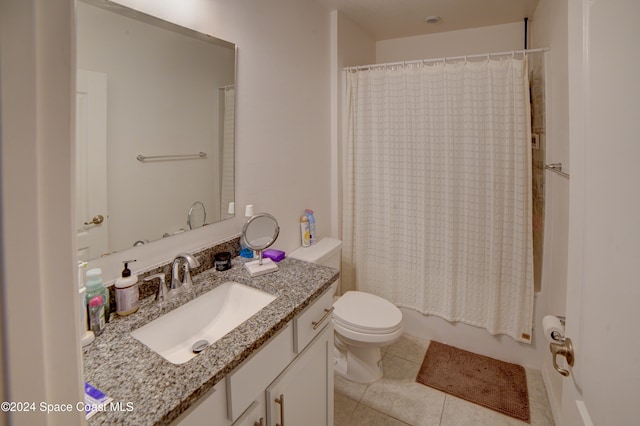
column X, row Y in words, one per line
column 363, row 322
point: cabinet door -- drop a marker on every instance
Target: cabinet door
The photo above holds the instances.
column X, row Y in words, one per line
column 255, row 414
column 303, row 393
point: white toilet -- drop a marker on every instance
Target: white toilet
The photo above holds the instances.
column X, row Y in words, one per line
column 363, row 322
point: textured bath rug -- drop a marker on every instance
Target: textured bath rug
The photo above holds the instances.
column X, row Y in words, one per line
column 494, row 384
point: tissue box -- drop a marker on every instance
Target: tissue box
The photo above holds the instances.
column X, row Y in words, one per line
column 275, row 255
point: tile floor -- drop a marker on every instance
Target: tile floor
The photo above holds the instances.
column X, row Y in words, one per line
column 398, row 400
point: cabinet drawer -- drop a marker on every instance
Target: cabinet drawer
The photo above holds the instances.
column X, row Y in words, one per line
column 312, row 320
column 210, row 409
column 254, row 375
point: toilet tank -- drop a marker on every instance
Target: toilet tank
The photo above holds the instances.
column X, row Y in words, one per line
column 326, row 252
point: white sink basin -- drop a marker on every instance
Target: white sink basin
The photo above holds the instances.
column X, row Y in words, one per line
column 209, row 317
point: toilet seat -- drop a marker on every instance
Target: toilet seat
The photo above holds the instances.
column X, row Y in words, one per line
column 366, row 314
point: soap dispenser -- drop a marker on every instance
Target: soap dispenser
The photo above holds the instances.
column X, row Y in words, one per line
column 127, row 291
column 96, row 288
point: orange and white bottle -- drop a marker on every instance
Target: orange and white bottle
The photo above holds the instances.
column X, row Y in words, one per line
column 305, row 233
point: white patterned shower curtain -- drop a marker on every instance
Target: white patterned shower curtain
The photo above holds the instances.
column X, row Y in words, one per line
column 437, row 190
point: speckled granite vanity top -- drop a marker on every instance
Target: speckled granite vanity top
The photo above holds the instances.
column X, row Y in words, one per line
column 159, row 391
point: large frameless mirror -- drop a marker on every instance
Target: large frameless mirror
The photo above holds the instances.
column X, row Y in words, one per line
column 155, row 128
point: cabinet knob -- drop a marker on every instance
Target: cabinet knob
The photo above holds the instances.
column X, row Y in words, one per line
column 260, row 423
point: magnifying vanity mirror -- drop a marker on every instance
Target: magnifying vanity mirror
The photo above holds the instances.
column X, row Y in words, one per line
column 259, row 233
column 155, row 128
column 197, row 215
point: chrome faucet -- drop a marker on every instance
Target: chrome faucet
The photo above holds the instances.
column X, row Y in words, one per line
column 191, row 263
column 162, row 294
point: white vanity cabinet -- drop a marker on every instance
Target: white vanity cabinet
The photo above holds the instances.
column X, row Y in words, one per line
column 303, row 393
column 295, row 366
column 211, row 409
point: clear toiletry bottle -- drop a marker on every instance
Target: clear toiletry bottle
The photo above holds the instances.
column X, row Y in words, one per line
column 96, row 288
column 86, row 335
column 127, row 291
column 312, row 226
column 97, row 314
column 304, row 231
column 245, row 251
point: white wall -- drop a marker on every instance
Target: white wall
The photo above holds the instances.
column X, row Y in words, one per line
column 39, row 296
column 496, row 38
column 549, row 28
column 283, row 128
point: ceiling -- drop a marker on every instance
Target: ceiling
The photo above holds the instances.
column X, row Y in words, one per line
column 386, row 19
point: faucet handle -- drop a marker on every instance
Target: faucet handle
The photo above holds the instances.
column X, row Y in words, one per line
column 163, row 293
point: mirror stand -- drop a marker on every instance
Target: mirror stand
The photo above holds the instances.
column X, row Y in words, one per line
column 258, row 233
column 260, row 267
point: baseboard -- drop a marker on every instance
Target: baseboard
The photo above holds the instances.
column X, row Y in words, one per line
column 554, row 399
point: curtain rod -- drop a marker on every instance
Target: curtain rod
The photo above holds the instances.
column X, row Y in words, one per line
column 443, row 59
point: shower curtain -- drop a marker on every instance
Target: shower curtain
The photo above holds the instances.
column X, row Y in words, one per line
column 437, row 190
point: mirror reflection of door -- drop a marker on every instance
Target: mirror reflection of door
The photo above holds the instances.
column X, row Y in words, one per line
column 91, row 164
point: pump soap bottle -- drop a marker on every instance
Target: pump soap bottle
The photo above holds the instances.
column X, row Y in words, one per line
column 127, row 291
column 96, row 288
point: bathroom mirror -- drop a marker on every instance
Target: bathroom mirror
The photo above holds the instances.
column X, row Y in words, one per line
column 259, row 232
column 155, row 134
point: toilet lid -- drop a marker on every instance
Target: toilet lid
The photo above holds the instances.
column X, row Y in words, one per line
column 366, row 313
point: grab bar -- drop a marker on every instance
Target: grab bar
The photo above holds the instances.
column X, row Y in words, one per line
column 556, row 168
column 201, row 154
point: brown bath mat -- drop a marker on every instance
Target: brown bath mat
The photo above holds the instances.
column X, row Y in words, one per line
column 494, row 384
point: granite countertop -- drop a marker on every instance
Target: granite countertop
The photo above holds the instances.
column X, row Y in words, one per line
column 157, row 391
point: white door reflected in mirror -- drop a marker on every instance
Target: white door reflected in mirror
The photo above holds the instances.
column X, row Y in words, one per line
column 91, row 165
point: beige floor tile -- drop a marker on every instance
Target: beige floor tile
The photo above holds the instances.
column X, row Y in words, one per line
column 538, row 399
column 343, row 408
column 409, row 348
column 458, row 412
column 397, row 394
column 348, row 388
column 398, row 400
column 365, row 416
